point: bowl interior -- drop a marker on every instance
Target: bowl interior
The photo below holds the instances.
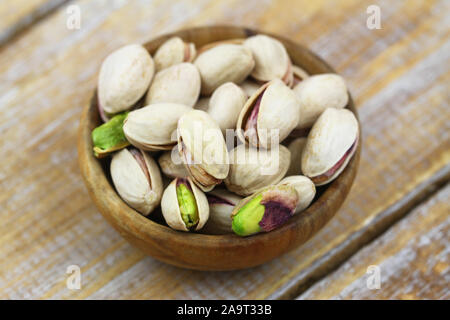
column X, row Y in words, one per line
column 196, row 250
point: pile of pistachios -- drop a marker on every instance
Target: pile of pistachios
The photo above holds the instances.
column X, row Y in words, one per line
column 228, row 137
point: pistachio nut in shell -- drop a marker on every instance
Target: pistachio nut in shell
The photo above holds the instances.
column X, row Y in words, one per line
column 221, row 204
column 152, row 128
column 179, row 83
column 125, row 76
column 137, row 179
column 252, row 169
column 306, row 190
column 202, row 149
column 317, row 93
column 225, row 105
column 269, row 115
column 173, row 51
column 271, row 59
column 296, row 148
column 109, row 136
column 172, row 165
column 223, row 63
column 250, row 86
column 265, row 210
column 184, row 206
column 299, row 75
column 331, row 143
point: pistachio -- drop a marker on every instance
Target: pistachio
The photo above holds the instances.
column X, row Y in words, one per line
column 317, row 93
column 174, row 51
column 269, row 115
column 172, row 165
column 151, row 128
column 265, row 210
column 225, row 105
column 221, row 204
column 223, row 63
column 109, row 137
column 305, row 188
column 252, row 169
column 137, row 179
column 125, row 76
column 202, row 149
column 296, row 148
column 331, row 143
column 184, row 206
column 250, row 87
column 299, row 75
column 271, row 59
column 179, row 83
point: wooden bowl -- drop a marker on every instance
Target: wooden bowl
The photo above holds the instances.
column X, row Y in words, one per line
column 210, row 252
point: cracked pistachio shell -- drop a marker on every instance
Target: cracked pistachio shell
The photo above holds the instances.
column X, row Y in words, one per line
column 137, row 179
column 331, row 143
column 223, row 63
column 179, row 83
column 305, row 188
column 109, row 137
column 264, row 211
column 317, row 93
column 202, row 148
column 180, row 199
column 252, row 169
column 296, row 148
column 250, row 87
column 152, row 128
column 125, row 76
column 202, row 104
column 299, row 75
column 172, row 165
column 221, row 204
column 225, row 105
column 271, row 59
column 173, row 51
column 269, row 115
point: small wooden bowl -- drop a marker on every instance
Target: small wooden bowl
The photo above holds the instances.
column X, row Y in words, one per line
column 210, row 252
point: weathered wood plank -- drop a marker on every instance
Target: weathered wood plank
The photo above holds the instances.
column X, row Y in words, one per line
column 17, row 15
column 398, row 76
column 413, row 259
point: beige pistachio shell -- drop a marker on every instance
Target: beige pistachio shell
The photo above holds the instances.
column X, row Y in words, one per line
column 250, row 87
column 125, row 76
column 141, row 188
column 299, row 74
column 202, row 148
column 172, row 165
column 171, row 209
column 172, row 52
column 179, row 83
column 278, row 115
column 153, row 127
column 225, row 105
column 305, row 188
column 223, row 63
column 331, row 143
column 296, row 148
column 252, row 169
column 317, row 93
column 202, row 104
column 221, row 204
column 271, row 59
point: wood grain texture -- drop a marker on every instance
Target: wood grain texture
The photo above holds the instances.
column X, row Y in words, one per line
column 413, row 257
column 399, row 76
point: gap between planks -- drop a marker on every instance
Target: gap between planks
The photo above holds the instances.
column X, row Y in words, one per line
column 355, row 242
column 28, row 20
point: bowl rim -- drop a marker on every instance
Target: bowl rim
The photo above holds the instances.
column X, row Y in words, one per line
column 148, row 230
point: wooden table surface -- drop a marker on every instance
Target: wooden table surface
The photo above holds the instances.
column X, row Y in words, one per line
column 397, row 214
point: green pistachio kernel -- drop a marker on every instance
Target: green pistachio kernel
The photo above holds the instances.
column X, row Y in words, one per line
column 109, row 137
column 188, row 205
column 246, row 221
